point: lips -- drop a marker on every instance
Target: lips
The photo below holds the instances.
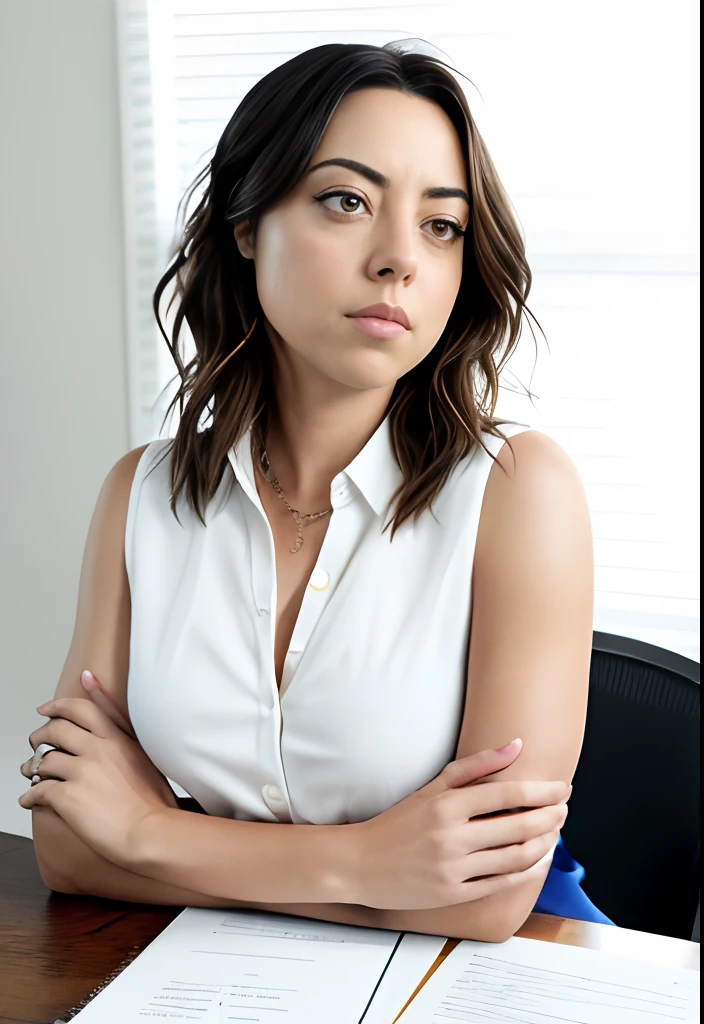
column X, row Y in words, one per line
column 383, row 311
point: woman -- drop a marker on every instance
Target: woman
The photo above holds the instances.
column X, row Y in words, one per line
column 328, row 604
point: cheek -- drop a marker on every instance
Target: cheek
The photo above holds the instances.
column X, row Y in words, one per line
column 448, row 284
column 443, row 284
column 298, row 271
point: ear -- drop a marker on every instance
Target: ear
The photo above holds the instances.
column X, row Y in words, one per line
column 244, row 237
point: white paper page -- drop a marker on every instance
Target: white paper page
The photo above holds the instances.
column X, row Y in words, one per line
column 536, row 982
column 226, row 966
column 411, row 961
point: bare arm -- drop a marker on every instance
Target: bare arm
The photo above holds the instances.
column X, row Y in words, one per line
column 104, row 615
column 531, row 637
column 93, row 875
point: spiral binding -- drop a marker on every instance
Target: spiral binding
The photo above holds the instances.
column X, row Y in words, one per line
column 70, row 1014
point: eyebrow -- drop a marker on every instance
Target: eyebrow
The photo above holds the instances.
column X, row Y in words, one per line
column 380, row 179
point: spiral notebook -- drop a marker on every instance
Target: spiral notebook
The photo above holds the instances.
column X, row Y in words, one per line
column 219, row 967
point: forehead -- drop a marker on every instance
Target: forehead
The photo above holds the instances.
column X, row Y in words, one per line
column 408, row 138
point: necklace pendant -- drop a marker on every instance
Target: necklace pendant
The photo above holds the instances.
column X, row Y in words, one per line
column 301, row 519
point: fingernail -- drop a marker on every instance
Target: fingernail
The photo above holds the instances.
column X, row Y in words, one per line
column 509, row 746
column 40, row 709
column 569, row 791
column 87, row 678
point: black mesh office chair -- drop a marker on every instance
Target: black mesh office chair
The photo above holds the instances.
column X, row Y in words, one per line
column 634, row 812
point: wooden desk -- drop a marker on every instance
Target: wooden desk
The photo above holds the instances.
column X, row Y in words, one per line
column 55, row 949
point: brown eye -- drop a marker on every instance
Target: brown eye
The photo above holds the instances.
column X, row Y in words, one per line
column 455, row 229
column 444, row 225
column 349, row 203
column 348, row 198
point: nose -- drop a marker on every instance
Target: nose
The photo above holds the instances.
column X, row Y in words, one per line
column 395, row 253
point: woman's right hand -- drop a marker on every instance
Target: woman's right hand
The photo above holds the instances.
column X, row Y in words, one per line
column 440, row 847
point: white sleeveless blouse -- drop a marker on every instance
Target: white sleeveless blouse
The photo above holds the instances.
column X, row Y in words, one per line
column 374, row 681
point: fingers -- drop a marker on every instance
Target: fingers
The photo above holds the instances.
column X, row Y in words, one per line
column 476, row 766
column 504, row 796
column 41, row 795
column 102, row 699
column 511, row 859
column 477, row 888
column 62, row 733
column 82, row 712
column 490, row 833
column 54, row 765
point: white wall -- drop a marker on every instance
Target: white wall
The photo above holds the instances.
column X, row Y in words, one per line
column 63, row 401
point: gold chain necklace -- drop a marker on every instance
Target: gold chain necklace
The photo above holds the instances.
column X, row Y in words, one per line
column 301, row 519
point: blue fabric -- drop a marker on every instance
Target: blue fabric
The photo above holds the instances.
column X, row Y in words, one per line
column 562, row 895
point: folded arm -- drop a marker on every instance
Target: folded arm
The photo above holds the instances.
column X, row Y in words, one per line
column 74, row 868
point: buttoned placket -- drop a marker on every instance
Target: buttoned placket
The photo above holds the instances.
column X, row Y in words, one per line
column 341, row 536
column 334, row 555
column 274, row 792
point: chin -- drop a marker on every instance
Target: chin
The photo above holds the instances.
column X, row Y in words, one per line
column 365, row 374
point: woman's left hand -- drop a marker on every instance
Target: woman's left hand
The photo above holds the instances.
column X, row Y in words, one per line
column 100, row 781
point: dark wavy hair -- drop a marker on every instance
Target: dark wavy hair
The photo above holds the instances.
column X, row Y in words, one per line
column 439, row 408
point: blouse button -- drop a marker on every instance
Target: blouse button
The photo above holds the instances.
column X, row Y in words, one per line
column 319, row 579
column 276, row 802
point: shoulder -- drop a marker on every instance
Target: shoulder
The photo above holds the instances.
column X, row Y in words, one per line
column 112, row 509
column 123, row 472
column 107, row 527
column 534, row 502
column 115, row 492
column 531, row 455
column 117, row 488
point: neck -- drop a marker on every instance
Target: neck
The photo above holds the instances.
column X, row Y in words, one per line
column 319, row 426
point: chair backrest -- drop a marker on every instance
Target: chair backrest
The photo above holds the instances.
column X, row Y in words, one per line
column 634, row 812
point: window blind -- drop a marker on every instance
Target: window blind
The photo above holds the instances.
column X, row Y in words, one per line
column 590, row 115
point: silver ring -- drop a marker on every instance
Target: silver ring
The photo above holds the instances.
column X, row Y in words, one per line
column 39, row 753
column 36, row 779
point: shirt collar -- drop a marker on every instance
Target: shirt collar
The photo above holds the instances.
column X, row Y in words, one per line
column 240, row 456
column 374, row 470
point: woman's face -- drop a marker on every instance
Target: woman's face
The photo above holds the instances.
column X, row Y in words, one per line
column 320, row 257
